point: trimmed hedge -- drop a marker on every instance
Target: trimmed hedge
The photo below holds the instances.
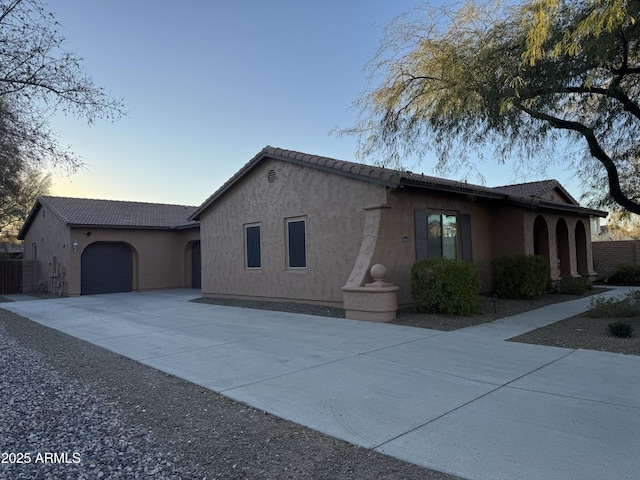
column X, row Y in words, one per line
column 574, row 286
column 520, row 276
column 442, row 285
column 627, row 274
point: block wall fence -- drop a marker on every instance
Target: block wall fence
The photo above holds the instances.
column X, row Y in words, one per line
column 608, row 254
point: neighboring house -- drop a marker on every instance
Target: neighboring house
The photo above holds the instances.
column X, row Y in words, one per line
column 292, row 226
column 77, row 246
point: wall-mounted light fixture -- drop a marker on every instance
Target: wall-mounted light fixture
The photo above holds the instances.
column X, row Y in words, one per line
column 75, row 245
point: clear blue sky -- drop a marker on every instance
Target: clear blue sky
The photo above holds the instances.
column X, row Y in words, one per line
column 208, row 83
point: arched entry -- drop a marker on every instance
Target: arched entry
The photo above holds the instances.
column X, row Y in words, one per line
column 540, row 237
column 562, row 242
column 195, row 266
column 106, row 268
column 581, row 249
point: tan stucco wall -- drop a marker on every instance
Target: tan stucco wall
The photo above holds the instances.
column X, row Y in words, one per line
column 51, row 239
column 351, row 226
column 508, row 230
column 333, row 208
column 161, row 258
column 496, row 230
column 399, row 256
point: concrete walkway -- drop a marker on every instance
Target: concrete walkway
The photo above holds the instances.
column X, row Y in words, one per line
column 464, row 402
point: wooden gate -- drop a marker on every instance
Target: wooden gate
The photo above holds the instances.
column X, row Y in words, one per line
column 10, row 276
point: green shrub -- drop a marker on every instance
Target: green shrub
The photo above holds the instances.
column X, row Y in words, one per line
column 574, row 286
column 633, row 296
column 442, row 285
column 620, row 329
column 613, row 307
column 627, row 274
column 520, row 276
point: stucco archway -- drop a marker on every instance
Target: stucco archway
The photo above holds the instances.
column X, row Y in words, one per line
column 564, row 251
column 540, row 237
column 195, row 265
column 581, row 249
column 192, row 264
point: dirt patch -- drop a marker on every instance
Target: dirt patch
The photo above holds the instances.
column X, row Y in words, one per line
column 39, row 296
column 580, row 331
column 585, row 332
column 490, row 309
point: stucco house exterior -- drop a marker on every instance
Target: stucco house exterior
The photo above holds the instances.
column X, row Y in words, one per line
column 75, row 246
column 297, row 227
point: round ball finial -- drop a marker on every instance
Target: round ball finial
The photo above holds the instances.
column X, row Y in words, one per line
column 378, row 271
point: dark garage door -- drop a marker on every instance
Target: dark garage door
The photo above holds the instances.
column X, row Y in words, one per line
column 106, row 268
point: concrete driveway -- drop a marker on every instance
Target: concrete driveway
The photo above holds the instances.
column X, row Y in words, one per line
column 464, row 402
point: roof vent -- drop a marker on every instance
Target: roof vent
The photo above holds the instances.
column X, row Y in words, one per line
column 271, row 176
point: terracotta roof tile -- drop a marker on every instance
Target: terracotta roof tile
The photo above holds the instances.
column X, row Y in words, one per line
column 533, row 189
column 112, row 213
column 391, row 178
column 541, row 189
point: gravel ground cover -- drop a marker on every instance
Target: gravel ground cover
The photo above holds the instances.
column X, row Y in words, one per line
column 585, row 332
column 73, row 410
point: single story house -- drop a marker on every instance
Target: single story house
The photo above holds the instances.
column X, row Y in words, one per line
column 297, row 227
column 75, row 246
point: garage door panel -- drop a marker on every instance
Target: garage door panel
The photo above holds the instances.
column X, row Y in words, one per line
column 106, row 268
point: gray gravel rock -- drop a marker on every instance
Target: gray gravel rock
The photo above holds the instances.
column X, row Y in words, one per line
column 121, row 419
column 54, row 427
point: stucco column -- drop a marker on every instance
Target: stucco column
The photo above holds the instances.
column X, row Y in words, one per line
column 376, row 301
column 590, row 268
column 372, row 221
column 554, row 270
column 364, row 300
column 573, row 253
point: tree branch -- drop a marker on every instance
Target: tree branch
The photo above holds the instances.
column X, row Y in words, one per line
column 614, row 91
column 9, row 10
column 629, row 105
column 596, row 151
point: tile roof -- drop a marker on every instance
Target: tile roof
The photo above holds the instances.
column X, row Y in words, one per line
column 531, row 189
column 112, row 213
column 532, row 194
